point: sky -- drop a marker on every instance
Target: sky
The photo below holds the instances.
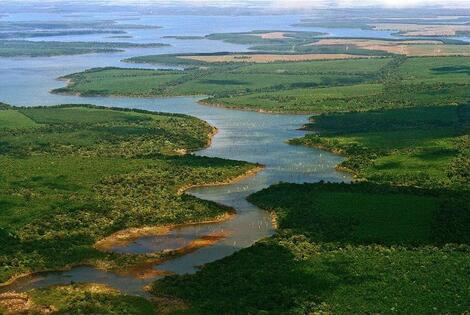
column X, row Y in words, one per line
column 293, row 4
column 380, row 3
column 288, row 4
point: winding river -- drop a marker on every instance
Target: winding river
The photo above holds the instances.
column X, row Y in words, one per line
column 249, row 136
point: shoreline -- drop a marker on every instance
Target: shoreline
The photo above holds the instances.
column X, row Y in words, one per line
column 249, row 173
column 200, row 102
column 337, row 152
column 142, row 271
column 70, row 81
column 142, row 232
column 254, row 109
column 127, row 236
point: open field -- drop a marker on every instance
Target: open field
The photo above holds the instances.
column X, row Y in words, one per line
column 311, row 43
column 299, row 87
column 266, row 58
column 227, row 80
column 259, row 37
column 407, row 48
column 426, row 147
column 73, row 175
column 288, row 42
column 432, row 30
column 19, row 48
column 272, row 35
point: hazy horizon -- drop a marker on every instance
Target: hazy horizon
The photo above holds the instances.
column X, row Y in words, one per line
column 273, row 4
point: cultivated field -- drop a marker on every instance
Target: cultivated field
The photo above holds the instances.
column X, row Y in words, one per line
column 408, row 48
column 265, row 58
column 423, row 29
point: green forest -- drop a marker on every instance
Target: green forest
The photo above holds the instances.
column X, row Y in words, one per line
column 394, row 241
column 74, row 174
column 342, row 249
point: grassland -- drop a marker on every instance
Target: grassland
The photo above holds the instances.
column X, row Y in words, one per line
column 266, row 37
column 268, row 58
column 21, row 48
column 424, row 30
column 290, row 42
column 217, row 82
column 425, row 147
column 412, row 48
column 220, row 81
column 297, row 87
column 426, row 26
column 313, row 43
column 72, row 175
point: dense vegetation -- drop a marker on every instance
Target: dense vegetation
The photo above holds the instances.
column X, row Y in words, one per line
column 341, row 249
column 362, row 248
column 426, row 147
column 18, row 48
column 314, row 86
column 397, row 242
column 81, row 299
column 72, row 175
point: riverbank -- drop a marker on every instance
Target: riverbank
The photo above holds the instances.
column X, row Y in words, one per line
column 342, row 248
column 292, row 87
column 89, row 160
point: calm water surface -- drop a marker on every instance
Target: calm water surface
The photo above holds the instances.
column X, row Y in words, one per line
column 248, row 136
